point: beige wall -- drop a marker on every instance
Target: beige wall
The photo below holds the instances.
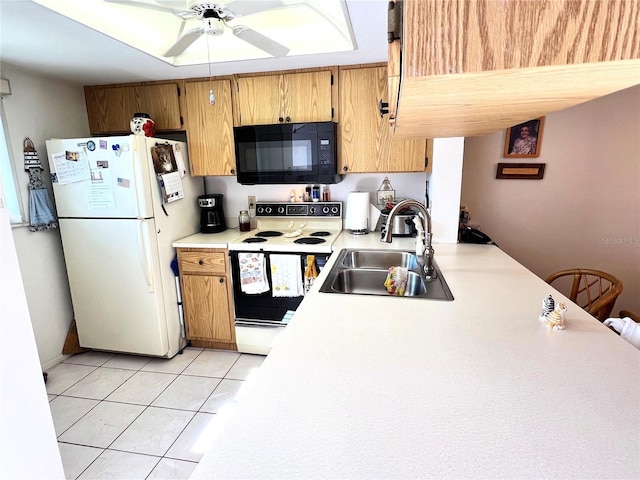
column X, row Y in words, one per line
column 586, row 210
column 41, row 108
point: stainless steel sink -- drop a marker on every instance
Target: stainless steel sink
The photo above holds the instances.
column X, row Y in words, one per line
column 379, row 259
column 371, row 282
column 363, row 272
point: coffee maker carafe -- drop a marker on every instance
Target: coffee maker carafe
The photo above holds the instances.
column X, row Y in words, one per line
column 211, row 213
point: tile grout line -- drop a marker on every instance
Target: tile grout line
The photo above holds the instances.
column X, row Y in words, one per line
column 146, row 406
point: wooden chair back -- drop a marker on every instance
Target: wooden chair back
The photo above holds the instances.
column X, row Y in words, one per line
column 593, row 290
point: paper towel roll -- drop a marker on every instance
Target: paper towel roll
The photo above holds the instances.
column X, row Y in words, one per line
column 357, row 217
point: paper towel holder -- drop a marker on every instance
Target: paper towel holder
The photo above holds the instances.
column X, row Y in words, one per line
column 357, row 218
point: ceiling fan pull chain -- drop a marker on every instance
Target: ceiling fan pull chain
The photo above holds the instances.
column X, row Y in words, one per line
column 212, row 97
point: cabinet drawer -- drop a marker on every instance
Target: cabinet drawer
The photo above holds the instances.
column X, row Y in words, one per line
column 203, row 263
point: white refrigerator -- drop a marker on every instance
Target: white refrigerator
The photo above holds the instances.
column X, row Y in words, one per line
column 117, row 224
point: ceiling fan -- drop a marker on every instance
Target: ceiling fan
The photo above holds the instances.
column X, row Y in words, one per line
column 215, row 17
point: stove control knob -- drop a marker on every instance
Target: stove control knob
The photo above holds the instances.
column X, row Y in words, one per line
column 260, row 210
column 280, row 210
column 312, row 210
column 325, row 210
column 334, row 210
column 268, row 210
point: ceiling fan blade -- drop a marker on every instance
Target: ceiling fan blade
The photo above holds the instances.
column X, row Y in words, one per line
column 260, row 41
column 184, row 41
column 149, row 6
column 247, row 7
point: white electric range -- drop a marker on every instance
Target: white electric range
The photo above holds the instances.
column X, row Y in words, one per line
column 268, row 265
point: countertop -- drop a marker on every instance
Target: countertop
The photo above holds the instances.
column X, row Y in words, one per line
column 208, row 240
column 387, row 387
column 378, row 387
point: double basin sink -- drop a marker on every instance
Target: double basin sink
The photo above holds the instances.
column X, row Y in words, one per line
column 364, row 272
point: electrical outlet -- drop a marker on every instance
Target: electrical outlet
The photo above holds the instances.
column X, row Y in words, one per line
column 251, row 201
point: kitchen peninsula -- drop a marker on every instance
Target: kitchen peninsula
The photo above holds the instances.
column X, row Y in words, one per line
column 377, row 387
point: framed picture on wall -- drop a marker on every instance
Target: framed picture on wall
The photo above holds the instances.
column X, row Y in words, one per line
column 524, row 140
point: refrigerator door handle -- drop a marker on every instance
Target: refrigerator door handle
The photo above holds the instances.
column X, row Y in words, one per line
column 145, row 254
column 137, row 176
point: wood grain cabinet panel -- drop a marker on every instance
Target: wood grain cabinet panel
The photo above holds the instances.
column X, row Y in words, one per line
column 284, row 98
column 259, row 99
column 207, row 297
column 307, row 97
column 471, row 67
column 110, row 108
column 365, row 139
column 210, row 128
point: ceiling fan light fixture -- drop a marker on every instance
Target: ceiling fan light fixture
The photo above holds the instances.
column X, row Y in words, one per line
column 213, row 26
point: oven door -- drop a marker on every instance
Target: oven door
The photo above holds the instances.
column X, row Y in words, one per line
column 264, row 309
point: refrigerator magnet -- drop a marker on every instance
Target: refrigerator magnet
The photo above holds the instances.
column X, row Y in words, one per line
column 123, row 182
column 91, row 145
column 103, row 144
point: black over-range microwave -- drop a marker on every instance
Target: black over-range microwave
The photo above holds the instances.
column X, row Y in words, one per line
column 286, row 153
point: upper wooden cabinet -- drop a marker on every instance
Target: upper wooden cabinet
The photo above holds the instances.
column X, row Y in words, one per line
column 210, row 128
column 470, row 67
column 365, row 140
column 110, row 108
column 284, row 98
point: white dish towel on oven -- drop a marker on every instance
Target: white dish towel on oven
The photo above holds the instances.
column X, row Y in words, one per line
column 286, row 275
column 253, row 275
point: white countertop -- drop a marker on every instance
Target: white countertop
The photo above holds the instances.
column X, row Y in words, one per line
column 208, row 240
column 378, row 387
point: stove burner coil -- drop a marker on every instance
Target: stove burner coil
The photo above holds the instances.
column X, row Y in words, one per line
column 254, row 240
column 320, row 234
column 269, row 233
column 309, row 240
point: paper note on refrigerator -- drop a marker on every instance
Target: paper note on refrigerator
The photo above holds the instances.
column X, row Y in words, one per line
column 71, row 167
column 171, row 187
column 180, row 161
column 99, row 189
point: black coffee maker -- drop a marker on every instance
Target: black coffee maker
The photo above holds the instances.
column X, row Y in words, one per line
column 211, row 213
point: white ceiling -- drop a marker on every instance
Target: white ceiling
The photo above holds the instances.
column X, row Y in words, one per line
column 37, row 39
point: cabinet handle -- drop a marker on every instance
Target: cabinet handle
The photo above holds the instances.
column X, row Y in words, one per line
column 233, row 172
column 200, row 262
column 288, row 119
column 280, row 119
column 222, row 280
column 383, row 107
column 344, row 169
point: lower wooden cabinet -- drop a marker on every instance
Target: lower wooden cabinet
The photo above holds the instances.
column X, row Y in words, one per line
column 207, row 297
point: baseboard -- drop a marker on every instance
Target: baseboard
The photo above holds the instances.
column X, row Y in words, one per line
column 54, row 362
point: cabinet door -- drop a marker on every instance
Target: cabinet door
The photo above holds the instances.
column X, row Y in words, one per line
column 307, row 97
column 366, row 143
column 361, row 132
column 259, row 100
column 109, row 109
column 210, row 128
column 161, row 103
column 206, row 308
column 407, row 156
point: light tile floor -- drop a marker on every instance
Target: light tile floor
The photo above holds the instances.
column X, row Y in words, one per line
column 123, row 416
